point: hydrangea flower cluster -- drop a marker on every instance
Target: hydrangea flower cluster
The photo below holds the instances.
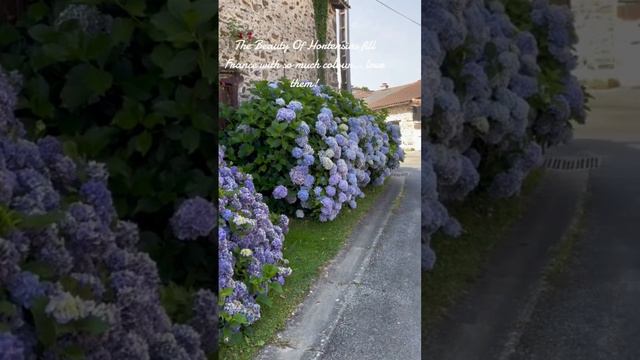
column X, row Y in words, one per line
column 555, row 24
column 481, row 76
column 249, row 247
column 90, row 19
column 68, row 262
column 336, row 148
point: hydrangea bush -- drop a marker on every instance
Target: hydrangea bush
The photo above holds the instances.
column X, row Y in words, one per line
column 311, row 150
column 129, row 84
column 250, row 241
column 497, row 90
column 72, row 283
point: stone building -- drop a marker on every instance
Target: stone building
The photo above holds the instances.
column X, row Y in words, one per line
column 280, row 23
column 403, row 106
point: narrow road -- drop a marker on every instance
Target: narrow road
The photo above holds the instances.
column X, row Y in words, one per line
column 366, row 304
column 590, row 310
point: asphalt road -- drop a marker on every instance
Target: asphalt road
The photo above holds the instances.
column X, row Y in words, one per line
column 382, row 319
column 366, row 304
column 590, row 310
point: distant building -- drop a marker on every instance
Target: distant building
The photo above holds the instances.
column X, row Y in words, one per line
column 403, row 105
column 609, row 42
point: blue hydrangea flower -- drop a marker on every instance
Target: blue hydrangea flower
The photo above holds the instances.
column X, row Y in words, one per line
column 297, row 152
column 285, row 114
column 280, row 192
column 303, row 195
column 295, row 105
column 25, row 287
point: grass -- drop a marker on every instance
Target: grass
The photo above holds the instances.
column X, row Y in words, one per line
column 309, row 245
column 460, row 261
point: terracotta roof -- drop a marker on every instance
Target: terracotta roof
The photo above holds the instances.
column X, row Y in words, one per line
column 361, row 94
column 394, row 96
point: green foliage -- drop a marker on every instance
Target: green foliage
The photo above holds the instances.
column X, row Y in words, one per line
column 321, row 10
column 8, row 220
column 136, row 95
column 265, row 149
column 552, row 75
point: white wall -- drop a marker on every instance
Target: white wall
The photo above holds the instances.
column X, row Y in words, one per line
column 608, row 47
column 410, row 130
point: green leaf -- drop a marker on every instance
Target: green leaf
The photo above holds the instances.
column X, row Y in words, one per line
column 269, row 271
column 166, row 108
column 177, row 8
column 191, row 18
column 38, row 92
column 245, row 150
column 131, row 113
column 161, row 55
column 204, row 123
column 45, row 326
column 98, row 48
column 96, row 139
column 190, row 139
column 37, row 12
column 84, row 83
column 74, row 352
column 147, row 205
column 43, row 270
column 152, row 120
column 92, row 325
column 224, row 293
column 135, row 7
column 7, row 309
column 181, row 64
column 144, row 142
column 263, row 299
column 8, row 35
column 206, row 10
column 43, row 33
column 55, row 52
column 39, row 221
column 209, row 71
column 173, row 30
column 122, row 31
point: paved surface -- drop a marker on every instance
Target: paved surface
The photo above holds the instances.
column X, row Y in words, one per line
column 591, row 311
column 367, row 303
column 484, row 319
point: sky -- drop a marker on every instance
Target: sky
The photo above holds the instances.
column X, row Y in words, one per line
column 397, row 42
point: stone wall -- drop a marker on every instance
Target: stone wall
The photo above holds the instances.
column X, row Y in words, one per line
column 275, row 22
column 410, row 129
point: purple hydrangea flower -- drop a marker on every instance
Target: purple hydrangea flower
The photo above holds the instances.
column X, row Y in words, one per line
column 195, row 218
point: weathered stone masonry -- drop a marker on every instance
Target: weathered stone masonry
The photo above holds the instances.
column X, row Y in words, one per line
column 275, row 21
